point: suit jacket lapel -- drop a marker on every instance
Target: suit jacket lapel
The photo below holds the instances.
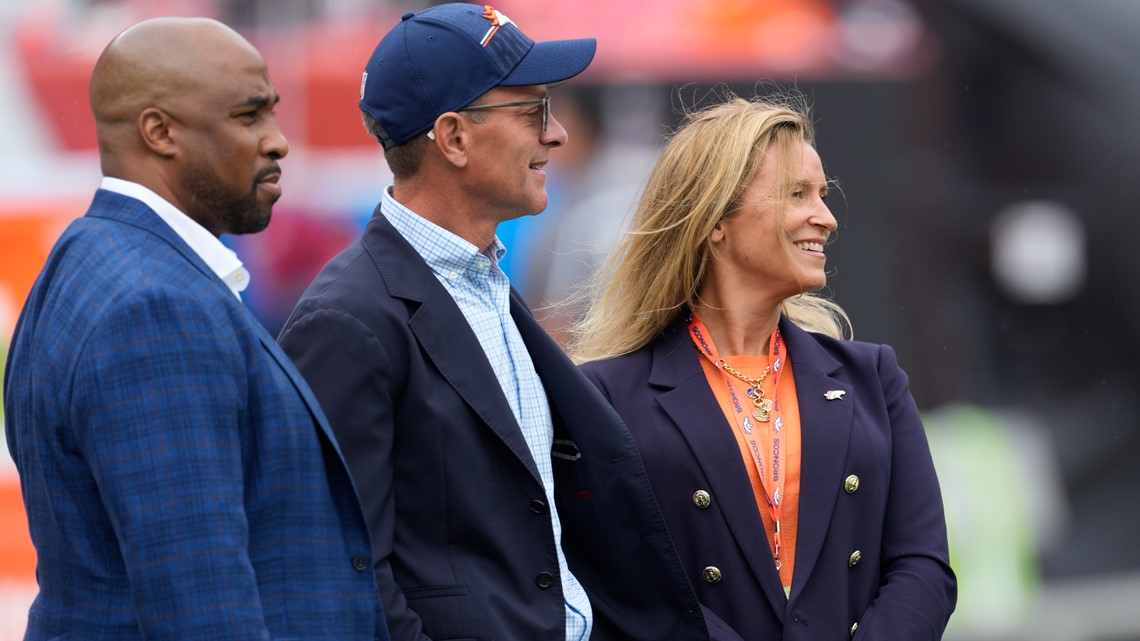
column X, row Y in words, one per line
column 687, row 399
column 575, row 404
column 444, row 334
column 550, row 361
column 825, row 435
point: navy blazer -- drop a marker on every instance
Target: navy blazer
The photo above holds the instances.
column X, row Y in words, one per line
column 462, row 535
column 871, row 559
column 179, row 478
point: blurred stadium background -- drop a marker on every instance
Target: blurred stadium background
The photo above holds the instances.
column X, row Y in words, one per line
column 983, row 148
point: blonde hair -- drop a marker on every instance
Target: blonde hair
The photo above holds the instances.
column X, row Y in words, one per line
column 700, row 178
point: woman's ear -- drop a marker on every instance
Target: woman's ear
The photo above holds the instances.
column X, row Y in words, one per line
column 717, row 234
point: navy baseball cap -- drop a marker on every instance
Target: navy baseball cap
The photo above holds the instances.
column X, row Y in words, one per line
column 443, row 58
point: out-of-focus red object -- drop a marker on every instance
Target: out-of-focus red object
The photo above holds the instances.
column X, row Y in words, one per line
column 682, row 40
column 17, row 556
column 27, row 233
column 317, row 67
column 317, row 71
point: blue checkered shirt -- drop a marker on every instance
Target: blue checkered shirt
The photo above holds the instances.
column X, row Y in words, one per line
column 482, row 291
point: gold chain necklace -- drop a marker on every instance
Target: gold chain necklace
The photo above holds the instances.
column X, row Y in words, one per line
column 763, row 406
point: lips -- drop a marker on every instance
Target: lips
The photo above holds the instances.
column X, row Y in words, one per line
column 267, row 180
column 271, row 174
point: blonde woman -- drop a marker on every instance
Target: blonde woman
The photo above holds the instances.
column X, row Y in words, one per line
column 790, row 463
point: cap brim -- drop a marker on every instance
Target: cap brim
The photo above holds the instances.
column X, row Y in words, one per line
column 552, row 62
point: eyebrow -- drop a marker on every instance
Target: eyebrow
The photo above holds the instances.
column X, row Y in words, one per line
column 260, row 101
column 807, row 184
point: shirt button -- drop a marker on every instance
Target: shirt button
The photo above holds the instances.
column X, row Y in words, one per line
column 544, row 580
column 360, row 562
column 702, row 499
column 453, row 274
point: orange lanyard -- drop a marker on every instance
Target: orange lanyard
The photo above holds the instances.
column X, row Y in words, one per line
column 767, row 452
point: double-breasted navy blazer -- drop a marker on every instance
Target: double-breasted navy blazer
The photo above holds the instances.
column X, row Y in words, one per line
column 462, row 535
column 871, row 546
column 179, row 477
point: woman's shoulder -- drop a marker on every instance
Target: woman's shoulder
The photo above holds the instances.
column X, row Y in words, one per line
column 845, row 351
column 618, row 365
column 641, row 358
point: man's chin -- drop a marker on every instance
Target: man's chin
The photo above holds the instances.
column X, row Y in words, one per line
column 254, row 223
column 261, row 223
column 538, row 205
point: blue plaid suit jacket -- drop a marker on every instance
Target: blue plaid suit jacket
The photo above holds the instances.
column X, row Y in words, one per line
column 179, row 477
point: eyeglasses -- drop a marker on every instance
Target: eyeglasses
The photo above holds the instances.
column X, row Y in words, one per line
column 545, row 101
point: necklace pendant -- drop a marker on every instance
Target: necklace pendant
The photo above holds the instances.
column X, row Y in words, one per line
column 763, row 411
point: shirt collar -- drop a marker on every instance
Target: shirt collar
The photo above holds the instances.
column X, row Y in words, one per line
column 219, row 258
column 444, row 251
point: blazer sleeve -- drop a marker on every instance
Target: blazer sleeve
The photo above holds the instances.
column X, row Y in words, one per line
column 354, row 379
column 158, row 397
column 918, row 590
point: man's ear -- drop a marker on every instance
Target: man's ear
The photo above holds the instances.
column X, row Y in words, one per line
column 154, row 129
column 452, row 138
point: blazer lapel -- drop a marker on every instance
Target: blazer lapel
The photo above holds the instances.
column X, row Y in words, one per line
column 565, row 386
column 444, row 334
column 825, row 436
column 689, row 401
column 553, row 366
column 579, row 412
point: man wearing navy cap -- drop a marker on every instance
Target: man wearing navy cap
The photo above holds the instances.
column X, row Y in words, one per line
column 505, row 498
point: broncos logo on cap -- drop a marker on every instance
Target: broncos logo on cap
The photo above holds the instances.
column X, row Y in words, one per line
column 497, row 20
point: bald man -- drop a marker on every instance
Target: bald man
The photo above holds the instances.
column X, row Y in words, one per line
column 179, row 478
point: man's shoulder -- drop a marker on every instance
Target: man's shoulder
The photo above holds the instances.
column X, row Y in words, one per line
column 106, row 235
column 96, row 262
column 349, row 280
column 824, row 352
column 372, row 273
column 349, row 295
